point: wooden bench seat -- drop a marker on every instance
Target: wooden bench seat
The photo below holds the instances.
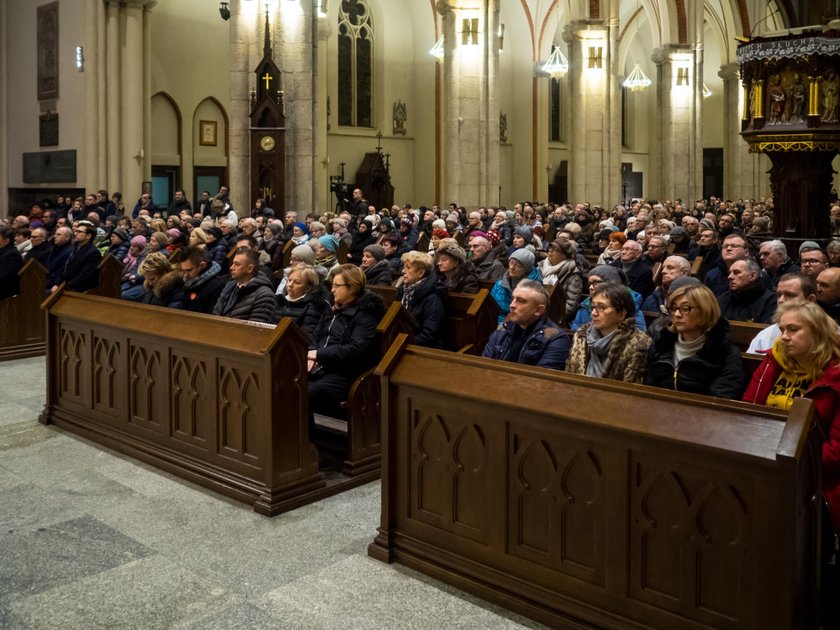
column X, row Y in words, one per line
column 617, row 506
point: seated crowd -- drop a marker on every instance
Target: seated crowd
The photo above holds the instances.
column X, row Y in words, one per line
column 692, row 271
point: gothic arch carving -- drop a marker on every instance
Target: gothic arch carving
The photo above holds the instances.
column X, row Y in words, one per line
column 215, row 102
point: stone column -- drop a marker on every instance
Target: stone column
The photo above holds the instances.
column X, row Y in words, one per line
column 743, row 176
column 113, row 103
column 132, row 96
column 470, row 110
column 4, row 132
column 239, row 134
column 595, row 135
column 678, row 154
column 91, row 159
column 293, row 53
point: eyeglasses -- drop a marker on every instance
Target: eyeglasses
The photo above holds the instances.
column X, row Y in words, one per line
column 338, row 284
column 601, row 308
column 684, row 309
column 811, row 261
column 595, row 283
column 732, row 246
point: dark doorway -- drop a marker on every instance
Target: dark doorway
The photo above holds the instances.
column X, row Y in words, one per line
column 712, row 173
column 558, row 190
column 632, row 183
column 208, row 178
column 165, row 181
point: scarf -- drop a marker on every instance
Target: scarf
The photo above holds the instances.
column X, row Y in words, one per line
column 553, row 274
column 129, row 261
column 685, row 349
column 598, row 345
column 408, row 293
column 793, row 382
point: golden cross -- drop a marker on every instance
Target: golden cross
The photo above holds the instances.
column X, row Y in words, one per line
column 267, row 78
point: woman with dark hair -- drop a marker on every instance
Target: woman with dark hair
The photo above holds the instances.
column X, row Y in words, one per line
column 304, row 300
column 695, row 353
column 610, row 346
column 376, row 268
column 363, row 237
column 344, row 342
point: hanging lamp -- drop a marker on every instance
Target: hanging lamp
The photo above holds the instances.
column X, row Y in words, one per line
column 557, row 65
column 637, row 81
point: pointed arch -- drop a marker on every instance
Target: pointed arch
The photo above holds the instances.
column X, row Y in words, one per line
column 218, row 105
column 167, row 98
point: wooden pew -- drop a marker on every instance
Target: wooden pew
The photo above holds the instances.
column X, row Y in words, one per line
column 218, row 401
column 341, row 252
column 742, row 333
column 696, row 267
column 422, row 244
column 21, row 321
column 557, row 305
column 648, row 509
column 110, row 278
column 656, row 273
column 471, row 317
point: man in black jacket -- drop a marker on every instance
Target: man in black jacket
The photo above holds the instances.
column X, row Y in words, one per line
column 249, row 294
column 81, row 273
column 41, row 246
column 10, row 264
column 638, row 273
column 202, row 281
column 747, row 300
column 61, row 249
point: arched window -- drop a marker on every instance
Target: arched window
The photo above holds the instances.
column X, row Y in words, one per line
column 355, row 64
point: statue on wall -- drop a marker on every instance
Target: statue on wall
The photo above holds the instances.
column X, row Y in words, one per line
column 796, row 103
column 830, row 86
column 777, row 100
column 400, row 116
column 503, row 126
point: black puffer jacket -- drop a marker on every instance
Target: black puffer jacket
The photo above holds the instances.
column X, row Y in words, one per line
column 202, row 293
column 346, row 340
column 427, row 308
column 168, row 291
column 81, row 272
column 253, row 302
column 380, row 273
column 307, row 311
column 463, row 279
column 714, row 371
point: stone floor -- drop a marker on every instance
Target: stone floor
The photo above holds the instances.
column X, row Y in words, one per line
column 91, row 539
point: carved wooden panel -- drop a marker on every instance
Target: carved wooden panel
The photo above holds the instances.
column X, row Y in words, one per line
column 73, row 365
column 557, row 503
column 147, row 395
column 239, row 394
column 688, row 548
column 108, row 387
column 193, row 397
column 449, row 483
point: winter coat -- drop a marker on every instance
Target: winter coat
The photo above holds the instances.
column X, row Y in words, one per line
column 490, row 267
column 546, row 344
column 462, row 280
column 428, row 310
column 626, row 357
column 502, row 291
column 715, row 370
column 584, row 314
column 168, row 291
column 824, row 391
column 253, row 302
column 11, row 263
column 41, row 253
column 307, row 311
column 566, row 277
column 118, row 251
column 81, row 272
column 755, row 304
column 202, row 293
column 346, row 340
column 379, row 273
column 57, row 262
column 639, row 277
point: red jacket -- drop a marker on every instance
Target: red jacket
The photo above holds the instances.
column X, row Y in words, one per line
column 825, row 392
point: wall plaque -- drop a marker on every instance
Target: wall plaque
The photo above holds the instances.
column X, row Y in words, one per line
column 48, row 51
column 49, row 167
column 48, row 130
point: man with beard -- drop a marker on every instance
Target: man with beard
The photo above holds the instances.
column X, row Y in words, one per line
column 202, row 281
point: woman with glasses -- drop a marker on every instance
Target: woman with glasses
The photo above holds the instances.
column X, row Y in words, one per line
column 610, row 346
column 695, row 353
column 344, row 343
column 560, row 269
column 599, row 275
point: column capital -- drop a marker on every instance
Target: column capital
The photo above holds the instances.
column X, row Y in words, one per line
column 730, row 71
column 445, row 6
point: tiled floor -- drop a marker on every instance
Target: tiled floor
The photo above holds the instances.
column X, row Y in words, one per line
column 91, row 539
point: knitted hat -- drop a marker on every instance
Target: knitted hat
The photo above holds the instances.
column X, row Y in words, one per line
column 302, row 227
column 338, row 221
column 706, row 224
column 440, row 233
column 275, row 228
column 569, row 248
column 329, row 241
column 139, row 241
column 121, row 234
column 682, row 281
column 173, row 233
column 678, row 232
column 439, row 223
column 604, row 234
column 808, row 246
column 608, row 273
column 452, row 218
column 494, row 236
column 304, row 253
column 525, row 258
column 453, row 251
column 377, row 251
column 525, row 232
column 216, row 232
column 386, row 225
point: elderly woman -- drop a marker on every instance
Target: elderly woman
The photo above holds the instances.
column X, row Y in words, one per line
column 132, row 282
column 598, row 275
column 521, row 265
column 559, row 269
column 158, row 242
column 610, row 346
column 305, row 299
column 423, row 298
column 344, row 342
column 162, row 282
column 325, row 248
column 454, row 271
column 273, row 243
column 695, row 353
column 615, row 241
column 120, row 243
column 376, row 268
column 300, row 233
column 805, row 361
column 198, row 238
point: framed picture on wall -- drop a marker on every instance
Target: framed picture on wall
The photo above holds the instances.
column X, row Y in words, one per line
column 207, row 133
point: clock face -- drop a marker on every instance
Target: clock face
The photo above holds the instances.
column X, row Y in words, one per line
column 267, row 143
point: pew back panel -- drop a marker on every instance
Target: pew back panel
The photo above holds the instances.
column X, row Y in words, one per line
column 647, row 509
column 21, row 321
column 221, row 402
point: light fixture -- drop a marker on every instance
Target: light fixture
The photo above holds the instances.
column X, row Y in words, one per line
column 682, row 77
column 637, row 81
column 595, row 59
column 706, row 91
column 224, row 11
column 80, row 58
column 436, row 51
column 501, row 37
column 469, row 32
column 557, row 65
